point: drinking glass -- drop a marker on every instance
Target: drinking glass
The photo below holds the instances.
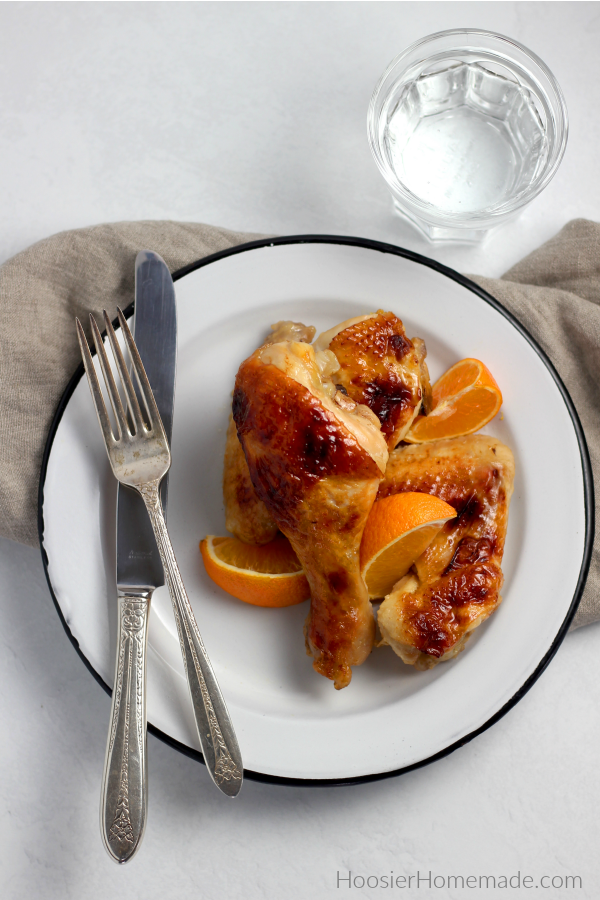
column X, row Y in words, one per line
column 467, row 127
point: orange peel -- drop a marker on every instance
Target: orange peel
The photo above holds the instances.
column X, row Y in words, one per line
column 465, row 399
column 399, row 529
column 268, row 575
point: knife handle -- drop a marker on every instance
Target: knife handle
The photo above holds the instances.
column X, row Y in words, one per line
column 215, row 730
column 125, row 785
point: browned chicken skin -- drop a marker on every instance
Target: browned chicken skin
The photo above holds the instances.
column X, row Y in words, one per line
column 316, row 460
column 380, row 367
column 246, row 516
column 456, row 584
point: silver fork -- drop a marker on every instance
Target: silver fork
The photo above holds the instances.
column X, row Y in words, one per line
column 140, row 457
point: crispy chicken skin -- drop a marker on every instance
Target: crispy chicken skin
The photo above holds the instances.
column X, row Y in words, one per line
column 316, row 460
column 456, row 583
column 246, row 516
column 380, row 367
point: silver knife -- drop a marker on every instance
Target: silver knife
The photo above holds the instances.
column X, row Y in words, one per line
column 139, row 573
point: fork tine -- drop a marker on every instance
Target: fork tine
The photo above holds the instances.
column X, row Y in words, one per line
column 111, row 387
column 94, row 386
column 146, row 390
column 132, row 400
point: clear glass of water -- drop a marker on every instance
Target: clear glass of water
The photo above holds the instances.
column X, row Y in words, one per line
column 467, row 127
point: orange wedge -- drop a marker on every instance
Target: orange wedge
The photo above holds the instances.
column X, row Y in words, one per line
column 398, row 530
column 269, row 575
column 465, row 399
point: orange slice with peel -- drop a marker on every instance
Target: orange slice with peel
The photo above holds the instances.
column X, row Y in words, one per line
column 465, row 399
column 267, row 575
column 398, row 530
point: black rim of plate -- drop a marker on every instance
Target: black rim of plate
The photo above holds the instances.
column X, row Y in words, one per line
column 588, row 489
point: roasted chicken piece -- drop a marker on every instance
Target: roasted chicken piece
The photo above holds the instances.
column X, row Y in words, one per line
column 456, row 583
column 382, row 368
column 246, row 516
column 315, row 459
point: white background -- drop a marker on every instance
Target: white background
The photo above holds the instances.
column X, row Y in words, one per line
column 252, row 116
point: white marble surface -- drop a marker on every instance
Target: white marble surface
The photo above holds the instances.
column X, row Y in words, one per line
column 252, row 116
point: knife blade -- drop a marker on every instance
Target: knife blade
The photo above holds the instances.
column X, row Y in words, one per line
column 139, row 572
column 155, row 333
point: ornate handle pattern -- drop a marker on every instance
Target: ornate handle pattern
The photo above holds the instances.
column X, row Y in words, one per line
column 215, row 731
column 125, row 784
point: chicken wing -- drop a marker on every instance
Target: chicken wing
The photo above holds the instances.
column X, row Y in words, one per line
column 382, row 368
column 246, row 516
column 456, row 583
column 315, row 459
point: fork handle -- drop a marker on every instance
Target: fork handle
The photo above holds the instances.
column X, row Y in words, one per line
column 215, row 730
column 125, row 784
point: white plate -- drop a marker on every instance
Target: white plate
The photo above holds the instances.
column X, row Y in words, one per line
column 290, row 722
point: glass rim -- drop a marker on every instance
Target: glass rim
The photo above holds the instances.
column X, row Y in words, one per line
column 552, row 94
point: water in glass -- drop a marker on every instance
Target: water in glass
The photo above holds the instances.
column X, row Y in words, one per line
column 465, row 138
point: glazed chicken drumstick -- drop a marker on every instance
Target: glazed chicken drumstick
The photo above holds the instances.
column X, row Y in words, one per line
column 316, row 459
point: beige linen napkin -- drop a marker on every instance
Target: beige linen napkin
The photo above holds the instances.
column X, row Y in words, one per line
column 554, row 292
